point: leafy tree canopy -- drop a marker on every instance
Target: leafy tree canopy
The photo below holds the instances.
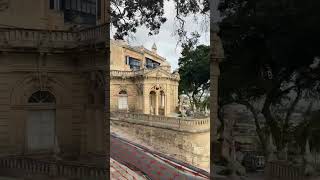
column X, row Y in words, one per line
column 128, row 15
column 271, row 50
column 194, row 70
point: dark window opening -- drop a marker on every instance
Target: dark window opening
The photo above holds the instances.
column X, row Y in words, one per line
column 151, row 64
column 42, row 97
column 134, row 64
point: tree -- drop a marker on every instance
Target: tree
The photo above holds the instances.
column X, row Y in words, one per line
column 127, row 15
column 194, row 70
column 271, row 50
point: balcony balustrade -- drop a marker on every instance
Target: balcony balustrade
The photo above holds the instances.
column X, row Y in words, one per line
column 32, row 38
column 26, row 167
column 175, row 123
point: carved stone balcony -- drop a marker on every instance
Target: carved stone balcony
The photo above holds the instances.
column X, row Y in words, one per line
column 18, row 38
column 19, row 166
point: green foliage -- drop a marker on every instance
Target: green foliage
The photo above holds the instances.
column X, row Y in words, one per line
column 279, row 38
column 194, row 70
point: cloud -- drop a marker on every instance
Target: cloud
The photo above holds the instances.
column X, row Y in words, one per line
column 166, row 41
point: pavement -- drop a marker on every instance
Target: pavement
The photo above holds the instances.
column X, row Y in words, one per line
column 119, row 171
column 152, row 166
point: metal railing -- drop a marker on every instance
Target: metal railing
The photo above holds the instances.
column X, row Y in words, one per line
column 283, row 170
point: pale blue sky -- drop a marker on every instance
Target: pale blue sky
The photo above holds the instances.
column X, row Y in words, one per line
column 166, row 42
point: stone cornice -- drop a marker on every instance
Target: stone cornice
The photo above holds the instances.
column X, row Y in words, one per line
column 144, row 73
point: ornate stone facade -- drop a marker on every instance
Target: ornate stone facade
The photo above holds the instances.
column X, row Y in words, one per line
column 52, row 87
column 141, row 81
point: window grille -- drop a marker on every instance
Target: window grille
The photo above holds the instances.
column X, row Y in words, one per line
column 42, row 97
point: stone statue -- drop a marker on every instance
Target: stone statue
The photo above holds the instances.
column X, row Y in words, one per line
column 307, row 159
column 183, row 105
column 271, row 148
column 234, row 165
column 183, row 112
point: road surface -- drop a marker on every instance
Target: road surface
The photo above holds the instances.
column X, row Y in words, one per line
column 153, row 166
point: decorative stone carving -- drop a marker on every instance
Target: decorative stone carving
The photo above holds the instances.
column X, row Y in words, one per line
column 271, row 149
column 140, row 88
column 308, row 168
column 123, row 88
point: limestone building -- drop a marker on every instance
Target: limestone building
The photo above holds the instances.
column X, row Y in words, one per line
column 141, row 80
column 52, row 87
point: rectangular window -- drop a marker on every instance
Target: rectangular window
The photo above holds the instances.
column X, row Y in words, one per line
column 134, row 64
column 123, row 102
column 151, row 64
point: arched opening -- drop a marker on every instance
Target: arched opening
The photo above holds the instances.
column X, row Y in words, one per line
column 123, row 100
column 162, row 103
column 42, row 97
column 40, row 125
column 152, row 103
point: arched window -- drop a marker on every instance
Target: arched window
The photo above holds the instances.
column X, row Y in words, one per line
column 42, row 97
column 123, row 100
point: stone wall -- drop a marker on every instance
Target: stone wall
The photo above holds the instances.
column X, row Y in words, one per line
column 23, row 74
column 38, row 13
column 190, row 147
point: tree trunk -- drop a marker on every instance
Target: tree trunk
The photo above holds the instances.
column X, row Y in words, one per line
column 257, row 124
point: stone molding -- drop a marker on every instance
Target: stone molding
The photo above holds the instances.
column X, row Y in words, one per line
column 173, row 123
column 142, row 73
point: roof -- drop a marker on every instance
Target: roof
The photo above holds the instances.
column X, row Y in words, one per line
column 138, row 49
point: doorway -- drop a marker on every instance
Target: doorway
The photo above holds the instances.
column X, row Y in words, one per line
column 152, row 102
column 40, row 130
column 40, row 124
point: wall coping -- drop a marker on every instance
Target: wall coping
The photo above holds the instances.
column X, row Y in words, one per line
column 172, row 123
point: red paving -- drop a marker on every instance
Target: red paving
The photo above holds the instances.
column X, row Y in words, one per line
column 153, row 167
